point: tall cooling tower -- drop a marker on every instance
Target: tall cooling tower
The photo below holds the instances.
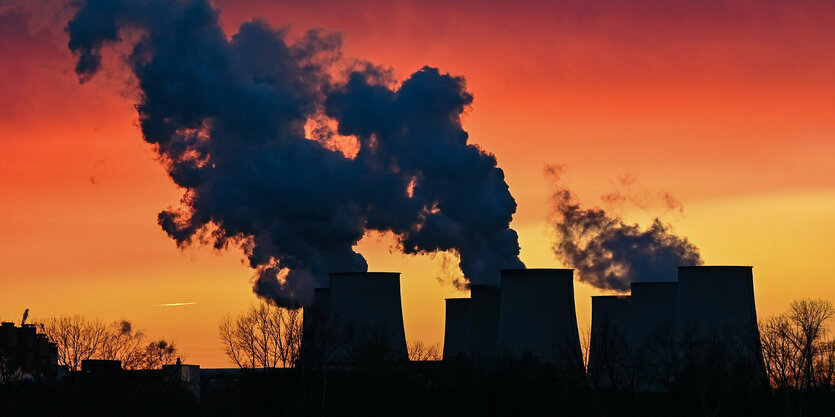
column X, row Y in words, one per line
column 484, row 321
column 316, row 328
column 717, row 301
column 366, row 310
column 457, row 327
column 716, row 308
column 653, row 308
column 537, row 316
column 610, row 330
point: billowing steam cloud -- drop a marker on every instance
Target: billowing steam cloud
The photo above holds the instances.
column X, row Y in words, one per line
column 610, row 254
column 227, row 117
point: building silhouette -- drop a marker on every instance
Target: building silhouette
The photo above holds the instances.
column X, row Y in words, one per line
column 26, row 353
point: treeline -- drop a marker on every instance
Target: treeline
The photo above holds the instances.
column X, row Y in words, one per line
column 79, row 338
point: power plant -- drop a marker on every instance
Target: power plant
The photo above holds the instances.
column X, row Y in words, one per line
column 532, row 314
column 635, row 337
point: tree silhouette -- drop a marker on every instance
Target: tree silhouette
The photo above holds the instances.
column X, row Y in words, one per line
column 78, row 338
column 262, row 336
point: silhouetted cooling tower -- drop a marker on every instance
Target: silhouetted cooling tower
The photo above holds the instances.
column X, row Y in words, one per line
column 484, row 321
column 653, row 312
column 366, row 309
column 537, row 316
column 716, row 309
column 457, row 327
column 608, row 344
column 717, row 301
column 316, row 329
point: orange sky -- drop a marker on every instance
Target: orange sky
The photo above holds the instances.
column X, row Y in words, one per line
column 726, row 106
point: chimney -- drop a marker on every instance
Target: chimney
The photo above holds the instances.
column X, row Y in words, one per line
column 457, row 327
column 537, row 316
column 365, row 307
column 484, row 321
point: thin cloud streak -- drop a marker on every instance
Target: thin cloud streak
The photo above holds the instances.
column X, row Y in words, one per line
column 173, row 304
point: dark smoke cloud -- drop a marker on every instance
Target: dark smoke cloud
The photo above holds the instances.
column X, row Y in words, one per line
column 610, row 254
column 227, row 117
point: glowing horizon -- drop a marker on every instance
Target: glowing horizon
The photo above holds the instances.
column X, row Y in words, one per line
column 726, row 107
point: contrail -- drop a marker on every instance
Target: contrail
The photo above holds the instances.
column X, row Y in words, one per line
column 173, row 304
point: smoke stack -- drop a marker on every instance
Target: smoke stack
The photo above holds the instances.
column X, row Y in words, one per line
column 608, row 346
column 537, row 316
column 366, row 310
column 484, row 321
column 653, row 312
column 457, row 327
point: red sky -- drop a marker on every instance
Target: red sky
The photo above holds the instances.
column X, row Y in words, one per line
column 726, row 105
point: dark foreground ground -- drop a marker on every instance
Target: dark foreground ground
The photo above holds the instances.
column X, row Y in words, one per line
column 516, row 388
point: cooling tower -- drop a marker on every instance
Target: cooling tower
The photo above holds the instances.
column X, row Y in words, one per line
column 610, row 330
column 653, row 312
column 717, row 301
column 316, row 329
column 484, row 321
column 716, row 309
column 537, row 316
column 366, row 310
column 457, row 327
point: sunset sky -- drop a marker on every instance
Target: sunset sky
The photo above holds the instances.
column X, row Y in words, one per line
column 727, row 106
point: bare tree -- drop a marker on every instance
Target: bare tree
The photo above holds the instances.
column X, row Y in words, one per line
column 419, row 351
column 158, row 353
column 125, row 344
column 825, row 366
column 796, row 348
column 808, row 318
column 77, row 338
column 263, row 336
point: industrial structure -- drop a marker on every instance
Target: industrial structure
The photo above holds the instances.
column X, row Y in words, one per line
column 640, row 336
column 652, row 312
column 25, row 352
column 718, row 301
column 608, row 348
column 484, row 321
column 537, row 316
column 531, row 314
column 457, row 327
column 633, row 337
column 359, row 316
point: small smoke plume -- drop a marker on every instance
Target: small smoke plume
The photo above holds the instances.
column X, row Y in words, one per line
column 250, row 126
column 610, row 254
